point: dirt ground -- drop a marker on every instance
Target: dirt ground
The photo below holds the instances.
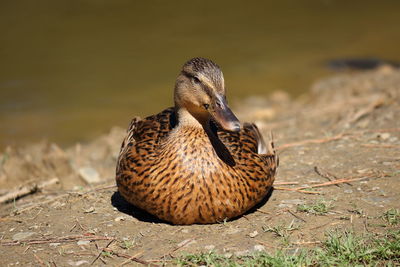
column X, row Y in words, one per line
column 339, row 147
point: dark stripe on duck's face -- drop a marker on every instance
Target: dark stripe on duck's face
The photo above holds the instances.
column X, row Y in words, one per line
column 207, row 90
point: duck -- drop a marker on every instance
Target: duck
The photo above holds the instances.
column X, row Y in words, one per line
column 195, row 163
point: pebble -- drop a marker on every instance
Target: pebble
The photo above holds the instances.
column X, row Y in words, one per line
column 253, row 234
column 228, row 255
column 385, row 136
column 89, row 210
column 89, row 175
column 242, row 253
column 232, row 231
column 77, row 263
column 259, row 248
column 83, row 242
column 54, row 244
column 120, row 218
column 289, row 203
column 22, row 236
column 363, row 171
column 209, row 247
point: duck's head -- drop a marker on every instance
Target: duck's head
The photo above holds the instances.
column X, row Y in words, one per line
column 200, row 90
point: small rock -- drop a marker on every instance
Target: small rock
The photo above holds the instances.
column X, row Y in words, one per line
column 57, row 205
column 228, row 255
column 22, row 236
column 259, row 248
column 77, row 263
column 242, row 253
column 385, row 136
column 209, row 247
column 83, row 242
column 289, row 203
column 89, row 175
column 89, row 210
column 295, row 201
column 348, row 191
column 93, row 231
column 232, row 231
column 54, row 244
column 253, row 234
column 120, row 218
column 363, row 171
column 185, row 231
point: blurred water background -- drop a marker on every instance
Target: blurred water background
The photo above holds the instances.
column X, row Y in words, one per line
column 71, row 69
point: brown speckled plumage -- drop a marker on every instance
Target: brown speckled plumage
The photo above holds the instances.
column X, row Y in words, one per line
column 186, row 172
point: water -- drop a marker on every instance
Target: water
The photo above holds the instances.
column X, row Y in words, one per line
column 69, row 70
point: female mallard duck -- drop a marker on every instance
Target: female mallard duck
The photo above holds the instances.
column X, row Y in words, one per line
column 195, row 163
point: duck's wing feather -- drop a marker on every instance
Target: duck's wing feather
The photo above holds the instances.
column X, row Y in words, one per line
column 150, row 130
column 250, row 140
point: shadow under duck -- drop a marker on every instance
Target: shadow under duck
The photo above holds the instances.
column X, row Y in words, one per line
column 195, row 162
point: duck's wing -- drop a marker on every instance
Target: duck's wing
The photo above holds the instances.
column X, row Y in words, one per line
column 266, row 151
column 148, row 131
column 250, row 140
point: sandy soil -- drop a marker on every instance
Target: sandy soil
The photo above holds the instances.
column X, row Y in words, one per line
column 346, row 129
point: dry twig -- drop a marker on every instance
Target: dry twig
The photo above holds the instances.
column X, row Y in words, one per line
column 285, row 183
column 326, row 175
column 306, row 243
column 64, row 239
column 297, row 190
column 98, row 255
column 178, row 247
column 312, row 141
column 381, row 145
column 62, row 196
column 130, row 259
column 364, row 112
column 126, row 256
column 339, row 181
column 296, row 216
column 27, row 190
column 39, row 260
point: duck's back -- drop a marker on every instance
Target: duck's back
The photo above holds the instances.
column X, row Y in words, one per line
column 184, row 175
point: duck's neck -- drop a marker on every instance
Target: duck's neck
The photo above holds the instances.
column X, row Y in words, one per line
column 186, row 119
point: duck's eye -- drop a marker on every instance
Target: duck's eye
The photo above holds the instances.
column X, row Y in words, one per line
column 195, row 80
column 206, row 106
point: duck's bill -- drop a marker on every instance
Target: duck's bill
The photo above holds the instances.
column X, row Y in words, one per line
column 224, row 116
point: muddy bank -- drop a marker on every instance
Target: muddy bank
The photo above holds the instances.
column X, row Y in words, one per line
column 338, row 145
